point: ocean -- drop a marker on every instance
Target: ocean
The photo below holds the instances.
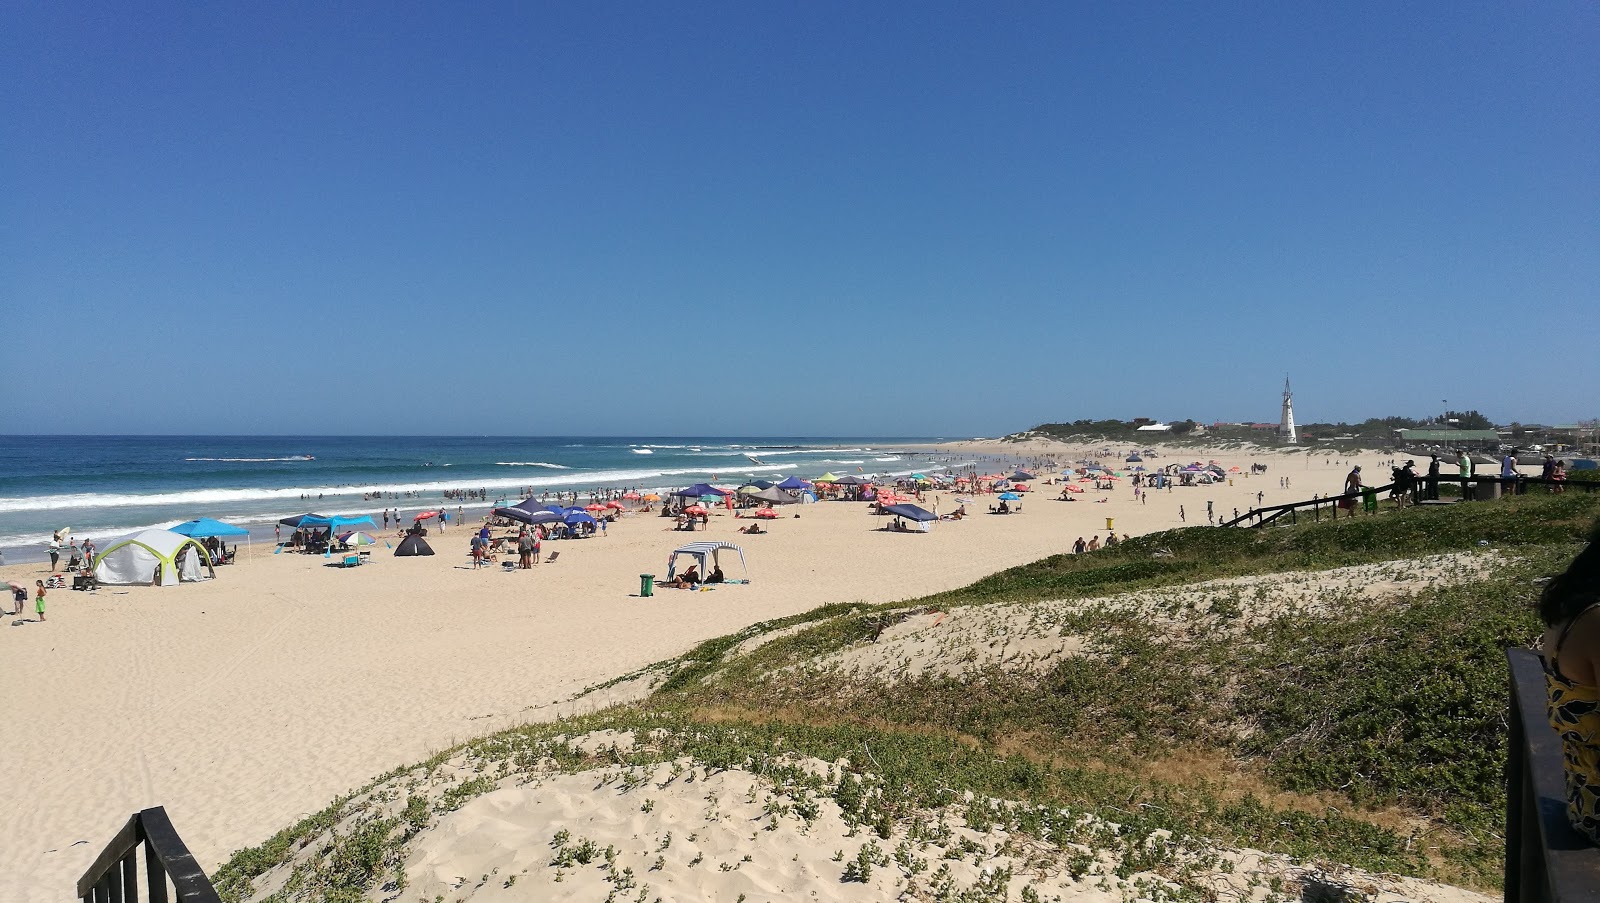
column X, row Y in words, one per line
column 106, row 486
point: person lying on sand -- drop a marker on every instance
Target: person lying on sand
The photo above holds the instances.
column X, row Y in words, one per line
column 753, row 528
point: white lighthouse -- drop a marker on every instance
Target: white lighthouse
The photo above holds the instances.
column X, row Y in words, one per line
column 1286, row 422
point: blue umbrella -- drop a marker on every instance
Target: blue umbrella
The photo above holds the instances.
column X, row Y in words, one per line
column 1010, row 497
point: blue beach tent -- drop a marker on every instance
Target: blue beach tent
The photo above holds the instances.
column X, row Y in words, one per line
column 335, row 523
column 701, row 489
column 794, row 483
column 295, row 520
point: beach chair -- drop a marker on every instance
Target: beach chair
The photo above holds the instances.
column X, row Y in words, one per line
column 552, row 558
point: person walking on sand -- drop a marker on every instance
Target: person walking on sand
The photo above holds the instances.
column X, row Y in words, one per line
column 1182, row 518
column 38, row 598
column 55, row 554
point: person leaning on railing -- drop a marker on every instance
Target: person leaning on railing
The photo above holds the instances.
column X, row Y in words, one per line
column 1570, row 607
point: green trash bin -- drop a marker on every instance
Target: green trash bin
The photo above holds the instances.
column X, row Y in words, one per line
column 647, row 585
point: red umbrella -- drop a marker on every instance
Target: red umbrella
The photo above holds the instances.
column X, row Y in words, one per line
column 1071, row 488
column 1019, row 487
column 766, row 513
column 631, row 496
column 617, row 505
column 696, row 509
column 594, row 507
column 426, row 514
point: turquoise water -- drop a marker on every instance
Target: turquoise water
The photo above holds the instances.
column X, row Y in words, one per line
column 105, row 486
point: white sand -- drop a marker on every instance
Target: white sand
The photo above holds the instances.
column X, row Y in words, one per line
column 677, row 831
column 243, row 703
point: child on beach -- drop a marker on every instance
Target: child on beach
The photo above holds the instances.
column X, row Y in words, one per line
column 38, row 598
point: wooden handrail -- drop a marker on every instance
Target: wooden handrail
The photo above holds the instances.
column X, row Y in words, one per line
column 1546, row 859
column 1422, row 481
column 114, row 876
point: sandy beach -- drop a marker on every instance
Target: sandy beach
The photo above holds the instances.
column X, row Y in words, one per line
column 247, row 701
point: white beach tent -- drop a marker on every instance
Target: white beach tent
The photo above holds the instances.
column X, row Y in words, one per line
column 152, row 557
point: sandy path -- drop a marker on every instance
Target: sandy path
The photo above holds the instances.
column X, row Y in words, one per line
column 243, row 703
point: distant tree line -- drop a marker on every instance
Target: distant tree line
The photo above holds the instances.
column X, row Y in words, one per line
column 1371, row 428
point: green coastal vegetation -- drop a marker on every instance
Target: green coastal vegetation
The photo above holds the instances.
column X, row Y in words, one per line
column 1372, row 432
column 1218, row 689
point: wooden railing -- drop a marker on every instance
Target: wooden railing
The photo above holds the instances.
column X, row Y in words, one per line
column 1425, row 490
column 114, row 877
column 1546, row 860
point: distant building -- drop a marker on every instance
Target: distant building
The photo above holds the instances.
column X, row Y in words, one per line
column 1154, row 428
column 1286, row 419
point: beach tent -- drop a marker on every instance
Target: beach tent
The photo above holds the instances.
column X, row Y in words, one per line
column 152, row 557
column 794, row 483
column 412, row 545
column 205, row 526
column 828, row 478
column 921, row 516
column 853, row 480
column 701, row 552
column 777, row 496
column 1133, row 459
column 575, row 518
column 761, row 484
column 295, row 520
column 701, row 489
column 1021, row 476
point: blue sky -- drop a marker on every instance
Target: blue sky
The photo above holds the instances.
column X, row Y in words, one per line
column 803, row 218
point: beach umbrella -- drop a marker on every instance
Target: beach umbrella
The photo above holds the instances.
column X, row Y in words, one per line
column 1010, row 497
column 575, row 518
column 1233, row 470
column 696, row 509
column 425, row 515
column 766, row 513
column 631, row 496
column 617, row 505
column 594, row 506
column 1071, row 488
column 1019, row 487
column 357, row 538
column 652, row 497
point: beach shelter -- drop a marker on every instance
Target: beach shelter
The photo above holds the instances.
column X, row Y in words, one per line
column 700, row 489
column 1131, row 459
column 794, row 483
column 1021, row 476
column 828, row 478
column 295, row 520
column 853, row 480
column 411, row 546
column 922, row 517
column 574, row 518
column 704, row 553
column 777, row 496
column 335, row 523
column 205, row 526
column 152, row 557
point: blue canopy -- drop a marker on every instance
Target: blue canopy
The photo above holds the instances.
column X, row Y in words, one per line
column 911, row 512
column 335, row 523
column 295, row 520
column 761, row 484
column 205, row 526
column 794, row 483
column 700, row 489
column 575, row 518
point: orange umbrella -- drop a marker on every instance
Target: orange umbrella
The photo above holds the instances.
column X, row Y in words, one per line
column 696, row 509
column 652, row 497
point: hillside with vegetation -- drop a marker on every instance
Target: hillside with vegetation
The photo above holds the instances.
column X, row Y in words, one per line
column 1197, row 714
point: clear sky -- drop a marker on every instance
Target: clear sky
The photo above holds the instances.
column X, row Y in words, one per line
column 792, row 218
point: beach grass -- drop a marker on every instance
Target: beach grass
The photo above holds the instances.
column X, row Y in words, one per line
column 1363, row 731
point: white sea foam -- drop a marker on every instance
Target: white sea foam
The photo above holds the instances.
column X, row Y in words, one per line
column 256, row 460
column 889, row 458
column 191, row 499
column 532, row 464
column 642, row 451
